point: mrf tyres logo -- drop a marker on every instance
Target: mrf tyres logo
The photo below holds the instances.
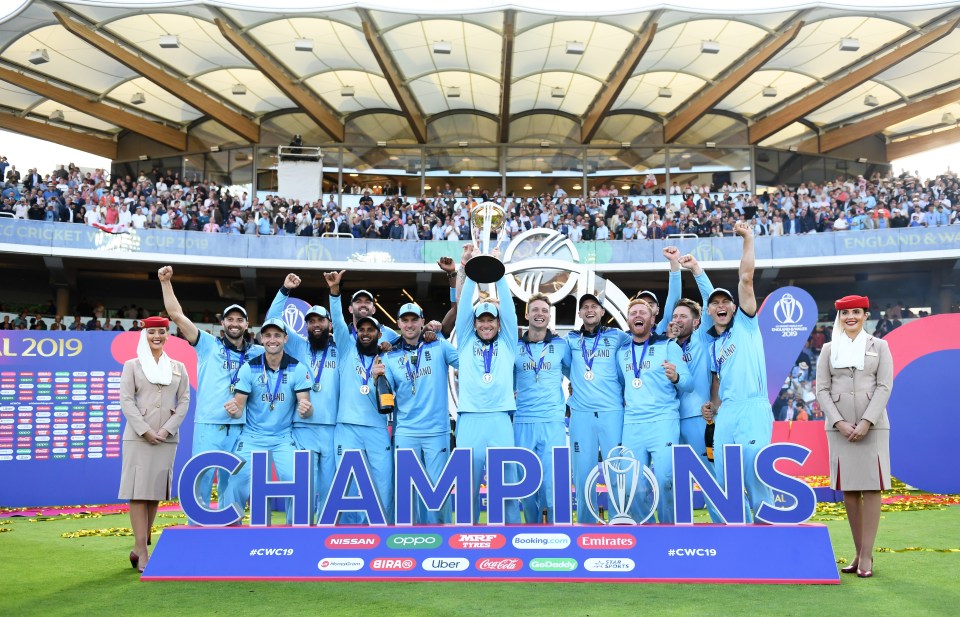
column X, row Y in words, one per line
column 414, row 540
column 477, row 540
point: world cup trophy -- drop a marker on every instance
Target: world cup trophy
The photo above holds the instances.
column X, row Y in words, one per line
column 485, row 219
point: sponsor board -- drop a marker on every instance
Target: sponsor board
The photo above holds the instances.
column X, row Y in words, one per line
column 549, row 541
column 445, row 564
column 477, row 540
column 499, row 564
column 352, row 541
column 602, row 564
column 553, row 564
column 387, row 564
column 340, row 564
column 414, row 540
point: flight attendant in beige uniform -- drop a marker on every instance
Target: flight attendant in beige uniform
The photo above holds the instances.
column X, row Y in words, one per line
column 154, row 398
column 854, row 378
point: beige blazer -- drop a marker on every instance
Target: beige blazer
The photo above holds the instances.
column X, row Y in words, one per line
column 147, row 406
column 849, row 394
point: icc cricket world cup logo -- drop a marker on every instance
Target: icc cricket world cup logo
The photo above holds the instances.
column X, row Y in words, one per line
column 630, row 500
column 787, row 310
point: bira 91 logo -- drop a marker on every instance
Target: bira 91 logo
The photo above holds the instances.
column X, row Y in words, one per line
column 358, row 541
column 606, row 540
column 414, row 540
column 499, row 564
column 394, row 565
column 609, row 565
column 477, row 540
column 448, row 564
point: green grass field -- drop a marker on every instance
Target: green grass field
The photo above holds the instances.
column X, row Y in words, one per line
column 43, row 573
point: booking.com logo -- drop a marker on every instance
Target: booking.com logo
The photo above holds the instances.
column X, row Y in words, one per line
column 541, row 540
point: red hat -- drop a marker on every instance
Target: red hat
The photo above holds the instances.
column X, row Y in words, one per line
column 852, row 302
column 156, row 322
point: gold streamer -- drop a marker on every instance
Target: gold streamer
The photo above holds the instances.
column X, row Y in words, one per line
column 107, row 532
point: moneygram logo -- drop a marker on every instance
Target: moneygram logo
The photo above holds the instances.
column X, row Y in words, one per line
column 449, row 564
column 340, row 564
column 499, row 564
column 358, row 541
column 477, row 540
column 414, row 540
column 394, row 565
column 606, row 540
column 541, row 540
column 609, row 565
column 552, row 564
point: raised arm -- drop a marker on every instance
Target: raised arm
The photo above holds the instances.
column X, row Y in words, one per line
column 280, row 300
column 508, row 310
column 689, row 262
column 172, row 306
column 341, row 333
column 467, row 289
column 674, row 288
column 745, row 296
column 449, row 267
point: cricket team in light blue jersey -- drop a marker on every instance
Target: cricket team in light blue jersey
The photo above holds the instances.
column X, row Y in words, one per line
column 641, row 391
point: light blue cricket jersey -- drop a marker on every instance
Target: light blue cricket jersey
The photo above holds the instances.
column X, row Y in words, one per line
column 354, row 407
column 696, row 352
column 318, row 363
column 218, row 365
column 475, row 394
column 540, row 392
column 737, row 357
column 418, row 376
column 674, row 288
column 656, row 398
column 605, row 391
column 259, row 383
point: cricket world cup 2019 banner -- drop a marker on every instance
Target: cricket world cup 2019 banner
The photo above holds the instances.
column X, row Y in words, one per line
column 787, row 317
column 61, row 426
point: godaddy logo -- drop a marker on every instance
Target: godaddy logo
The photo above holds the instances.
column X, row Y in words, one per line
column 553, row 564
column 414, row 540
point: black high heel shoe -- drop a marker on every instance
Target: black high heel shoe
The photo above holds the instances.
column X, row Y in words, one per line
column 134, row 559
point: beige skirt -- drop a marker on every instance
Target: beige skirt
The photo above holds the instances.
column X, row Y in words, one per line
column 861, row 466
column 147, row 471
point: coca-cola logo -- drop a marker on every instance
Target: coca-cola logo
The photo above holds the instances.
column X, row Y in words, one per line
column 500, row 564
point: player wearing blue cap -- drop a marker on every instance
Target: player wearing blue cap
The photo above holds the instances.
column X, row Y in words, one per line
column 360, row 426
column 596, row 405
column 739, row 391
column 653, row 375
column 363, row 304
column 318, row 353
column 486, row 342
column 218, row 365
column 274, row 390
column 417, row 371
column 543, row 359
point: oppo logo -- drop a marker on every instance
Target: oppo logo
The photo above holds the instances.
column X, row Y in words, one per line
column 358, row 541
column 477, row 540
column 499, row 564
column 394, row 565
column 449, row 564
column 418, row 540
column 340, row 564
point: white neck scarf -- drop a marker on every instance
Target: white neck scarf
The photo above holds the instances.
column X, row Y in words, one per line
column 846, row 352
column 160, row 373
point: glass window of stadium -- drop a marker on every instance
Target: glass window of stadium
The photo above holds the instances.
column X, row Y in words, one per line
column 462, row 171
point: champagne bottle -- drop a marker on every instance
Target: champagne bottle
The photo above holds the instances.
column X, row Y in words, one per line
column 385, row 398
column 708, row 439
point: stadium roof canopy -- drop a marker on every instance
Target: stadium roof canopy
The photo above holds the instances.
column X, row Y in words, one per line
column 819, row 76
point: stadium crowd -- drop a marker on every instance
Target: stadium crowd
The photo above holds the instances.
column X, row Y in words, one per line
column 162, row 200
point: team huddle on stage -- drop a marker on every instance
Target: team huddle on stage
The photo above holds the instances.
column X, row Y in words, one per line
column 647, row 389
